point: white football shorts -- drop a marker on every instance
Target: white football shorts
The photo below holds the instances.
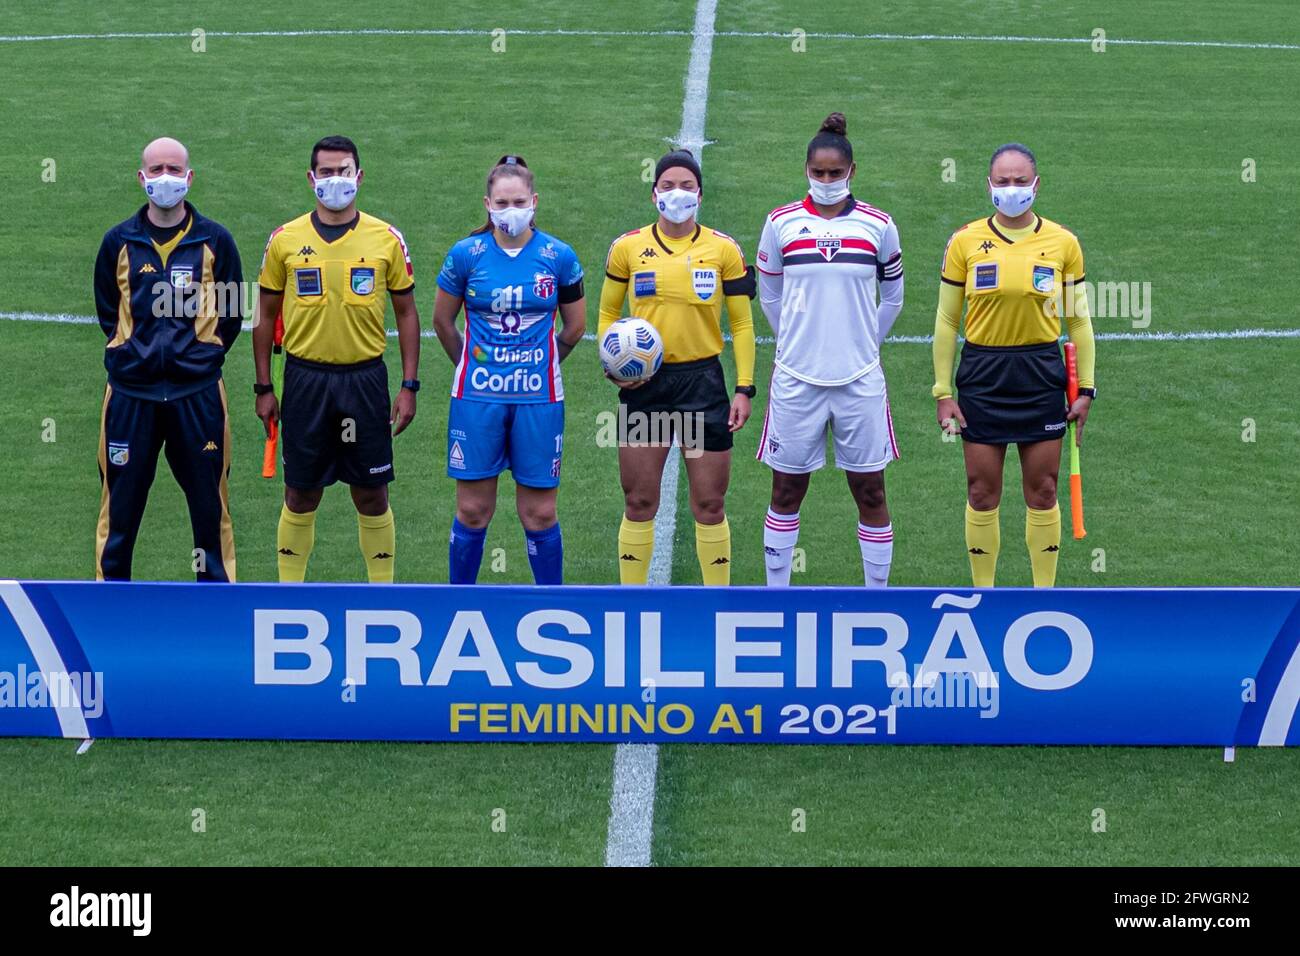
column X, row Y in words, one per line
column 800, row 413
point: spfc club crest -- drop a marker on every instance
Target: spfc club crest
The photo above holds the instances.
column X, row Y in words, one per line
column 828, row 248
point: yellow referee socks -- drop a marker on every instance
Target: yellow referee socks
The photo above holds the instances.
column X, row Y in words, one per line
column 293, row 543
column 1043, row 535
column 636, row 545
column 713, row 548
column 983, row 539
column 378, row 536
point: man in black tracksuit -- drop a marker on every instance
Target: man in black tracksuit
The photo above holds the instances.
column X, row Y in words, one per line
column 168, row 292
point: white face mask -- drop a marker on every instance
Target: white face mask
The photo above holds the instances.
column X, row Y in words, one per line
column 512, row 220
column 1012, row 201
column 677, row 205
column 335, row 192
column 166, row 191
column 828, row 194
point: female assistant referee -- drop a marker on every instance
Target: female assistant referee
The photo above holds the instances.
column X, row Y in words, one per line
column 1016, row 272
column 675, row 274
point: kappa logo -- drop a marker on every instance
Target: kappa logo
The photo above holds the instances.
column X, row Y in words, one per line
column 210, row 446
column 648, row 253
column 306, row 251
column 628, row 557
column 456, row 457
column 986, row 245
column 118, row 454
column 828, row 248
column 147, row 267
column 383, row 556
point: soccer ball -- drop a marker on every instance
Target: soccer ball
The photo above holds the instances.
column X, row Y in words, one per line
column 631, row 349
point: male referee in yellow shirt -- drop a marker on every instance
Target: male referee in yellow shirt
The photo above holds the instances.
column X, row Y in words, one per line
column 327, row 272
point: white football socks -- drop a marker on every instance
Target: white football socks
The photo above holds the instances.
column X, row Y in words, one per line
column 780, row 532
column 877, row 546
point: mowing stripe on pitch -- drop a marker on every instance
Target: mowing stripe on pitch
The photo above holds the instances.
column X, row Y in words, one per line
column 1195, row 335
column 743, row 34
column 632, row 796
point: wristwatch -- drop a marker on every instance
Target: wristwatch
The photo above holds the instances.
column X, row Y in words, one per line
column 260, row 389
column 412, row 384
column 749, row 391
column 1090, row 392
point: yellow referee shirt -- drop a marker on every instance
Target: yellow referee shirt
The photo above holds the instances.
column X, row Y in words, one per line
column 1013, row 286
column 335, row 292
column 678, row 286
column 1013, row 283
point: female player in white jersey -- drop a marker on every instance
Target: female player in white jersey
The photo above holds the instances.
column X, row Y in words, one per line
column 830, row 279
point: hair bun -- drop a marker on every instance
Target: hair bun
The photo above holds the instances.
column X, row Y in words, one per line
column 835, row 123
column 512, row 160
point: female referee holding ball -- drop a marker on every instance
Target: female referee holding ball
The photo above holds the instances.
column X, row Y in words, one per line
column 675, row 274
column 1013, row 270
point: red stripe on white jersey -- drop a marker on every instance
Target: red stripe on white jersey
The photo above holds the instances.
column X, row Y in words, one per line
column 780, row 211
column 848, row 242
column 872, row 211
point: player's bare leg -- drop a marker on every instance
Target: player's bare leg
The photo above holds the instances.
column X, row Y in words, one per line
column 1040, row 462
column 875, row 532
column 640, row 469
column 984, row 465
column 708, row 474
column 476, row 501
column 545, row 545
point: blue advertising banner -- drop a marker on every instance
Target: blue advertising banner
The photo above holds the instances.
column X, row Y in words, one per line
column 800, row 665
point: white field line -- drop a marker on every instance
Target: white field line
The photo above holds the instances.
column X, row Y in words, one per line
column 744, row 34
column 632, row 796
column 1206, row 335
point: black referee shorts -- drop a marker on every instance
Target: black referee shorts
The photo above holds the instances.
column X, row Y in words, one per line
column 1012, row 394
column 697, row 389
column 335, row 424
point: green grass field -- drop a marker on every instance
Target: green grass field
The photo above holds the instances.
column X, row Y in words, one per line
column 1141, row 151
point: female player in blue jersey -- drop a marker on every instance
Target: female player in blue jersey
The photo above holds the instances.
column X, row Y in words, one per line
column 507, row 399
